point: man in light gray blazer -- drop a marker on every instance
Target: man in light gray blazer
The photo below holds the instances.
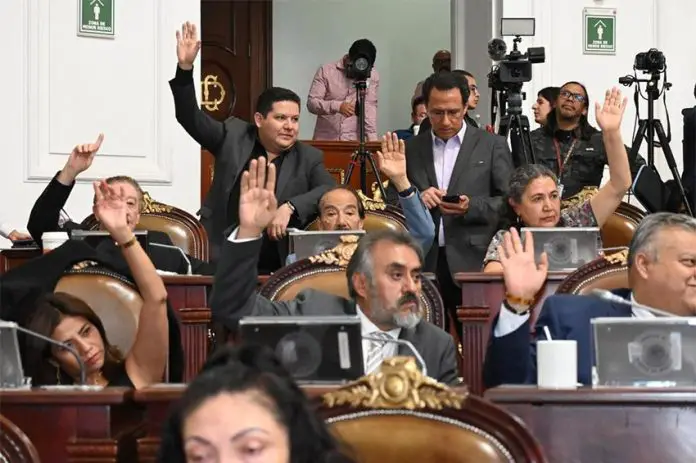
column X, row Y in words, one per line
column 462, row 173
column 384, row 283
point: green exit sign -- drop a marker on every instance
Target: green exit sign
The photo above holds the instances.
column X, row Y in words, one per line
column 96, row 18
column 599, row 31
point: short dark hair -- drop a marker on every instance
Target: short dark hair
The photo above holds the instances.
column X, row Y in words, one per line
column 446, row 80
column 361, row 260
column 254, row 368
column 464, row 73
column 550, row 94
column 419, row 100
column 363, row 46
column 270, row 96
column 48, row 311
column 361, row 207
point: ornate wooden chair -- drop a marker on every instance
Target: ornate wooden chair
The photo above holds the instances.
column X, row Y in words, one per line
column 114, row 298
column 608, row 273
column 378, row 216
column 183, row 228
column 426, row 421
column 327, row 272
column 15, row 446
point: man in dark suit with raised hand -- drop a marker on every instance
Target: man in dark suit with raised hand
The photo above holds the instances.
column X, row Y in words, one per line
column 302, row 177
column 384, row 283
column 661, row 274
column 457, row 160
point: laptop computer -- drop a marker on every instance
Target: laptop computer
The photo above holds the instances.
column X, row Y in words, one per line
column 314, row 349
column 11, row 370
column 566, row 248
column 645, row 352
column 306, row 244
column 96, row 237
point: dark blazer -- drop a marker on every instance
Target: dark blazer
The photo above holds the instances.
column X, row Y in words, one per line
column 234, row 296
column 21, row 286
column 511, row 359
column 482, row 172
column 45, row 216
column 302, row 179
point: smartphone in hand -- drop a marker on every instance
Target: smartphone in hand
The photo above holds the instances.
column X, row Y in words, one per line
column 451, row 199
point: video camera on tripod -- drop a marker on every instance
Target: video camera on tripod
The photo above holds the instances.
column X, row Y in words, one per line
column 648, row 186
column 506, row 79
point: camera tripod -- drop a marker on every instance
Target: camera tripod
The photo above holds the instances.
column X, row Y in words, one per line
column 362, row 156
column 515, row 125
column 647, row 128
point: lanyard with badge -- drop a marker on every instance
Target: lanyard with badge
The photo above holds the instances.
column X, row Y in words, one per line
column 562, row 162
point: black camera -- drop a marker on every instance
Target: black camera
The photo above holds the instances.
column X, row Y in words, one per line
column 361, row 60
column 514, row 68
column 652, row 60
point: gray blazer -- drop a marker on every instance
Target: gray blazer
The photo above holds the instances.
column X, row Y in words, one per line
column 482, row 172
column 302, row 179
column 234, row 296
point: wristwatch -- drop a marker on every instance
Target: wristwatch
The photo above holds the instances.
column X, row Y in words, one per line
column 292, row 208
column 407, row 192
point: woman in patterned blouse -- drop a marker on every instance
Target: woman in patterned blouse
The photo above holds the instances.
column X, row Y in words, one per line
column 534, row 198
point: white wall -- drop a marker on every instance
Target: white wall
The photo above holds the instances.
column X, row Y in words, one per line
column 309, row 33
column 61, row 89
column 640, row 24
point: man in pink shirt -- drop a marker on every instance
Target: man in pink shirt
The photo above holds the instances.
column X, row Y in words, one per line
column 332, row 97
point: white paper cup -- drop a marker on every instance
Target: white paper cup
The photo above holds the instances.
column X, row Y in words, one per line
column 52, row 240
column 557, row 364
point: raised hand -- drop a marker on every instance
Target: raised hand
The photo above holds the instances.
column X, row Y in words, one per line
column 523, row 277
column 257, row 200
column 391, row 161
column 187, row 45
column 80, row 160
column 111, row 210
column 610, row 114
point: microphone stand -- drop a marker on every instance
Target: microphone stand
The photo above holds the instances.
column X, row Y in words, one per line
column 611, row 297
column 362, row 155
column 62, row 345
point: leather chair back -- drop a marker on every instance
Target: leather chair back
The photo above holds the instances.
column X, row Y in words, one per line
column 377, row 219
column 607, row 273
column 331, row 278
column 112, row 297
column 619, row 229
column 15, row 446
column 184, row 229
column 427, row 421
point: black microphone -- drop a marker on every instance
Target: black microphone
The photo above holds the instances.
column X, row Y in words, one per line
column 401, row 342
column 62, row 345
column 611, row 297
column 169, row 246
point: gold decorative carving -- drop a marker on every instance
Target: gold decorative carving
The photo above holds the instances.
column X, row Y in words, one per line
column 339, row 255
column 620, row 257
column 212, row 81
column 341, row 173
column 582, row 196
column 151, row 206
column 398, row 383
column 84, row 264
column 370, row 204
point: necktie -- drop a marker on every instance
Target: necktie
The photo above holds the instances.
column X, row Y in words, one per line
column 375, row 354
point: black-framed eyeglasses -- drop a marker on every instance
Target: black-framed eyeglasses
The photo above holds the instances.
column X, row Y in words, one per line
column 573, row 96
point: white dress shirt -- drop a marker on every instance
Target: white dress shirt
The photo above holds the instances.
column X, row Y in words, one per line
column 508, row 321
column 444, row 157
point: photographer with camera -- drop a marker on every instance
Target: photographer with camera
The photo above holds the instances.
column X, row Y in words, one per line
column 333, row 95
column 570, row 146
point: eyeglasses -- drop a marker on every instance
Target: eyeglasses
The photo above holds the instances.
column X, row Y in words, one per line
column 451, row 113
column 573, row 96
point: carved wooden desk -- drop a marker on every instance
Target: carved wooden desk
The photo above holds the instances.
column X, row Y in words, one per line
column 76, row 426
column 482, row 294
column 11, row 258
column 608, row 425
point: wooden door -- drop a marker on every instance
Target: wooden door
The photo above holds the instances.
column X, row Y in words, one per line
column 236, row 63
